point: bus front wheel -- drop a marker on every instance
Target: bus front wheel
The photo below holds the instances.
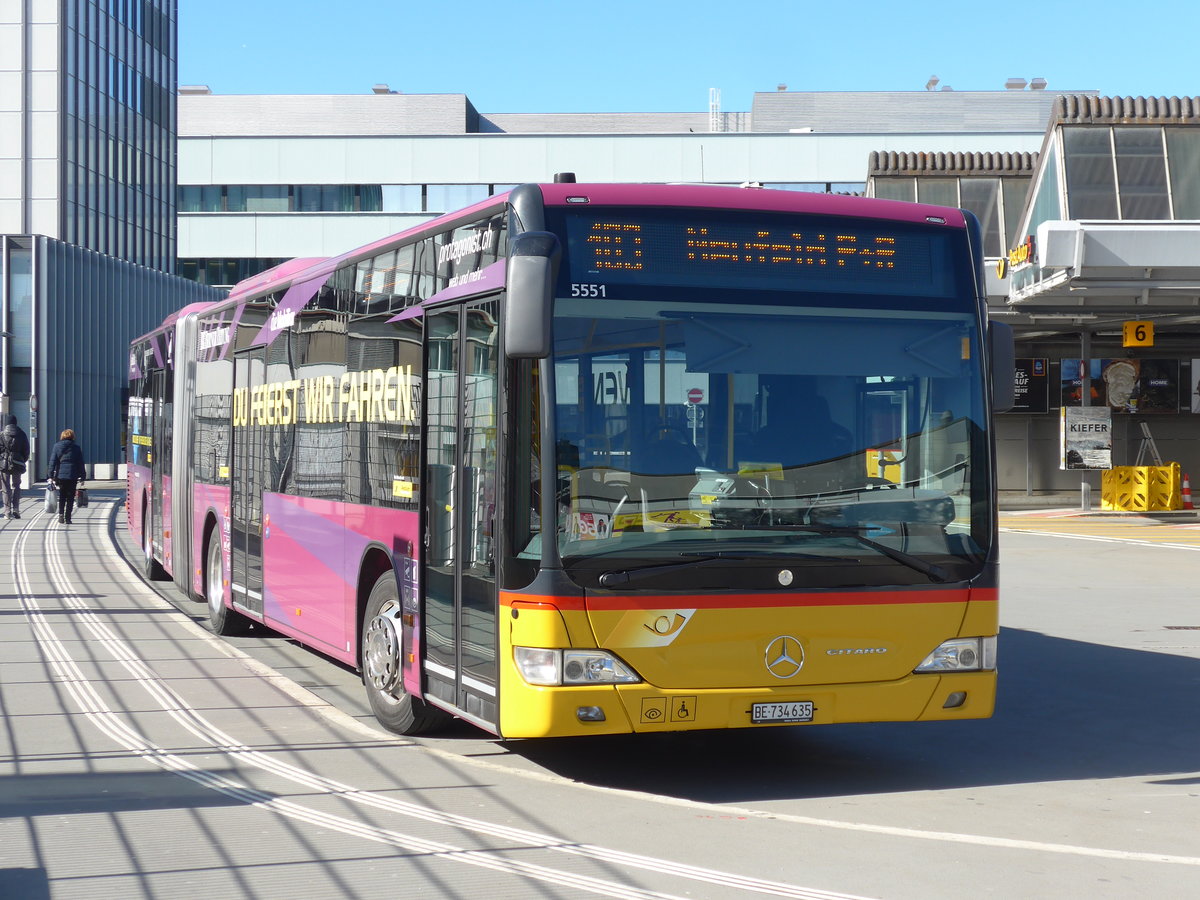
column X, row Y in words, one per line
column 221, row 619
column 395, row 708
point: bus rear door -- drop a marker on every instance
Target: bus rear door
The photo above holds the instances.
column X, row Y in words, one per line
column 160, row 456
column 250, row 471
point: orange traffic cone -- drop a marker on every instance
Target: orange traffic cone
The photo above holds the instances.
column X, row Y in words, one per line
column 1187, row 493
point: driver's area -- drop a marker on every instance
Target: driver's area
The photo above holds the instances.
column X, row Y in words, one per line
column 679, row 432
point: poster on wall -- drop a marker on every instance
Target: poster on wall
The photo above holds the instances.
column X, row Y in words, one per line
column 1196, row 385
column 1032, row 386
column 1143, row 386
column 1085, row 437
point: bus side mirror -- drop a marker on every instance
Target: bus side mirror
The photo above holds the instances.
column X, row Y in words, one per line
column 532, row 269
column 1004, row 366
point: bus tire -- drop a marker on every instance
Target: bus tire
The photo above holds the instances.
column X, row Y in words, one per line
column 395, row 708
column 151, row 568
column 222, row 619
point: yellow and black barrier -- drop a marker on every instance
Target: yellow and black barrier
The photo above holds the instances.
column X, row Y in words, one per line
column 1141, row 488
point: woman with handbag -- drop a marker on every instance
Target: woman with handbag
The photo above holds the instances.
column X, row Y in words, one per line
column 66, row 469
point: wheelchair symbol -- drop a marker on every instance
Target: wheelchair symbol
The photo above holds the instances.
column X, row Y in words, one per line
column 683, row 709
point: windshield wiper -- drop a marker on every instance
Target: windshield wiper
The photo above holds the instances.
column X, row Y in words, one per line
column 936, row 573
column 696, row 560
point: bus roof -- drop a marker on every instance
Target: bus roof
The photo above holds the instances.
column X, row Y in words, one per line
column 767, row 200
column 276, row 273
column 171, row 318
column 190, row 308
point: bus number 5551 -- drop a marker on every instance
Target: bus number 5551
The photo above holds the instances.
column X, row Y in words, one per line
column 588, row 290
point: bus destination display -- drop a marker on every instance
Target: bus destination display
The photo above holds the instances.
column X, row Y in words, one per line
column 711, row 249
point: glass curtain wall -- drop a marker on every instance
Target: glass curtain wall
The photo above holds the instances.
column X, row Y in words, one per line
column 996, row 202
column 1141, row 173
column 426, row 198
column 118, row 82
column 1091, row 177
column 1131, row 172
column 16, row 289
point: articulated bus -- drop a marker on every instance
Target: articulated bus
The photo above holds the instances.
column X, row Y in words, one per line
column 597, row 458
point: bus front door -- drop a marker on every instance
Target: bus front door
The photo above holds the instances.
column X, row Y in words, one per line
column 461, row 402
column 249, row 463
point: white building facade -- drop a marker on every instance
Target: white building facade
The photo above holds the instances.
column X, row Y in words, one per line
column 267, row 178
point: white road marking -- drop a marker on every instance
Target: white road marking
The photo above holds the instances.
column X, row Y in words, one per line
column 1103, row 540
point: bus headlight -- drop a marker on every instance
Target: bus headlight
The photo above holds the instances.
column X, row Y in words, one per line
column 570, row 667
column 595, row 667
column 961, row 655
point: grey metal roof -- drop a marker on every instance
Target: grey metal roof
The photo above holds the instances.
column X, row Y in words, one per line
column 235, row 115
column 908, row 112
column 1079, row 109
column 594, row 123
column 308, row 115
column 204, row 114
column 885, row 163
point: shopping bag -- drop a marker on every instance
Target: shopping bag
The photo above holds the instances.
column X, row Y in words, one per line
column 81, row 498
column 51, row 498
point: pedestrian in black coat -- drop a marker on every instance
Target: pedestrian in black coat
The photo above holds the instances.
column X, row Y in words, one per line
column 14, row 454
column 66, row 469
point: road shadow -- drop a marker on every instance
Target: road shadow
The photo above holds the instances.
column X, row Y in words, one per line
column 25, row 884
column 1066, row 710
column 81, row 793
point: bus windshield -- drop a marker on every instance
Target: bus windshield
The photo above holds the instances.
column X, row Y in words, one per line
column 704, row 434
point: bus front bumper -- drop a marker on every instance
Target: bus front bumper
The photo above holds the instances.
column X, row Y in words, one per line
column 531, row 711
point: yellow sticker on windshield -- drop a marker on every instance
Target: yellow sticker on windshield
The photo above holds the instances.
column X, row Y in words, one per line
column 770, row 469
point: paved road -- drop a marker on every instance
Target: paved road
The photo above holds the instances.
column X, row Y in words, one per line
column 140, row 757
column 1180, row 531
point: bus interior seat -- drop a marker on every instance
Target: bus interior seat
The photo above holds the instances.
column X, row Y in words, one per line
column 667, row 452
column 801, row 431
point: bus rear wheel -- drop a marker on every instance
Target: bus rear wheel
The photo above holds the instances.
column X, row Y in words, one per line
column 395, row 708
column 221, row 619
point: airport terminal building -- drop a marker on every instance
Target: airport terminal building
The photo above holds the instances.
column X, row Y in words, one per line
column 1104, row 268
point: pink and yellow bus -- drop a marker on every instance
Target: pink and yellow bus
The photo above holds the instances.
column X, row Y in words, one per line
column 596, row 458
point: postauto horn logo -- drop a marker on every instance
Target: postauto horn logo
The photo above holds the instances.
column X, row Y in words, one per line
column 784, row 657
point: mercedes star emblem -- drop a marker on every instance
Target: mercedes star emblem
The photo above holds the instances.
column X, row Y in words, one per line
column 784, row 656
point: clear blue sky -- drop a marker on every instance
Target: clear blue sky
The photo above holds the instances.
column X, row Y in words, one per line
column 663, row 56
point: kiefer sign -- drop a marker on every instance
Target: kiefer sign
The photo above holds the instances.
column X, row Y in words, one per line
column 1086, row 437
